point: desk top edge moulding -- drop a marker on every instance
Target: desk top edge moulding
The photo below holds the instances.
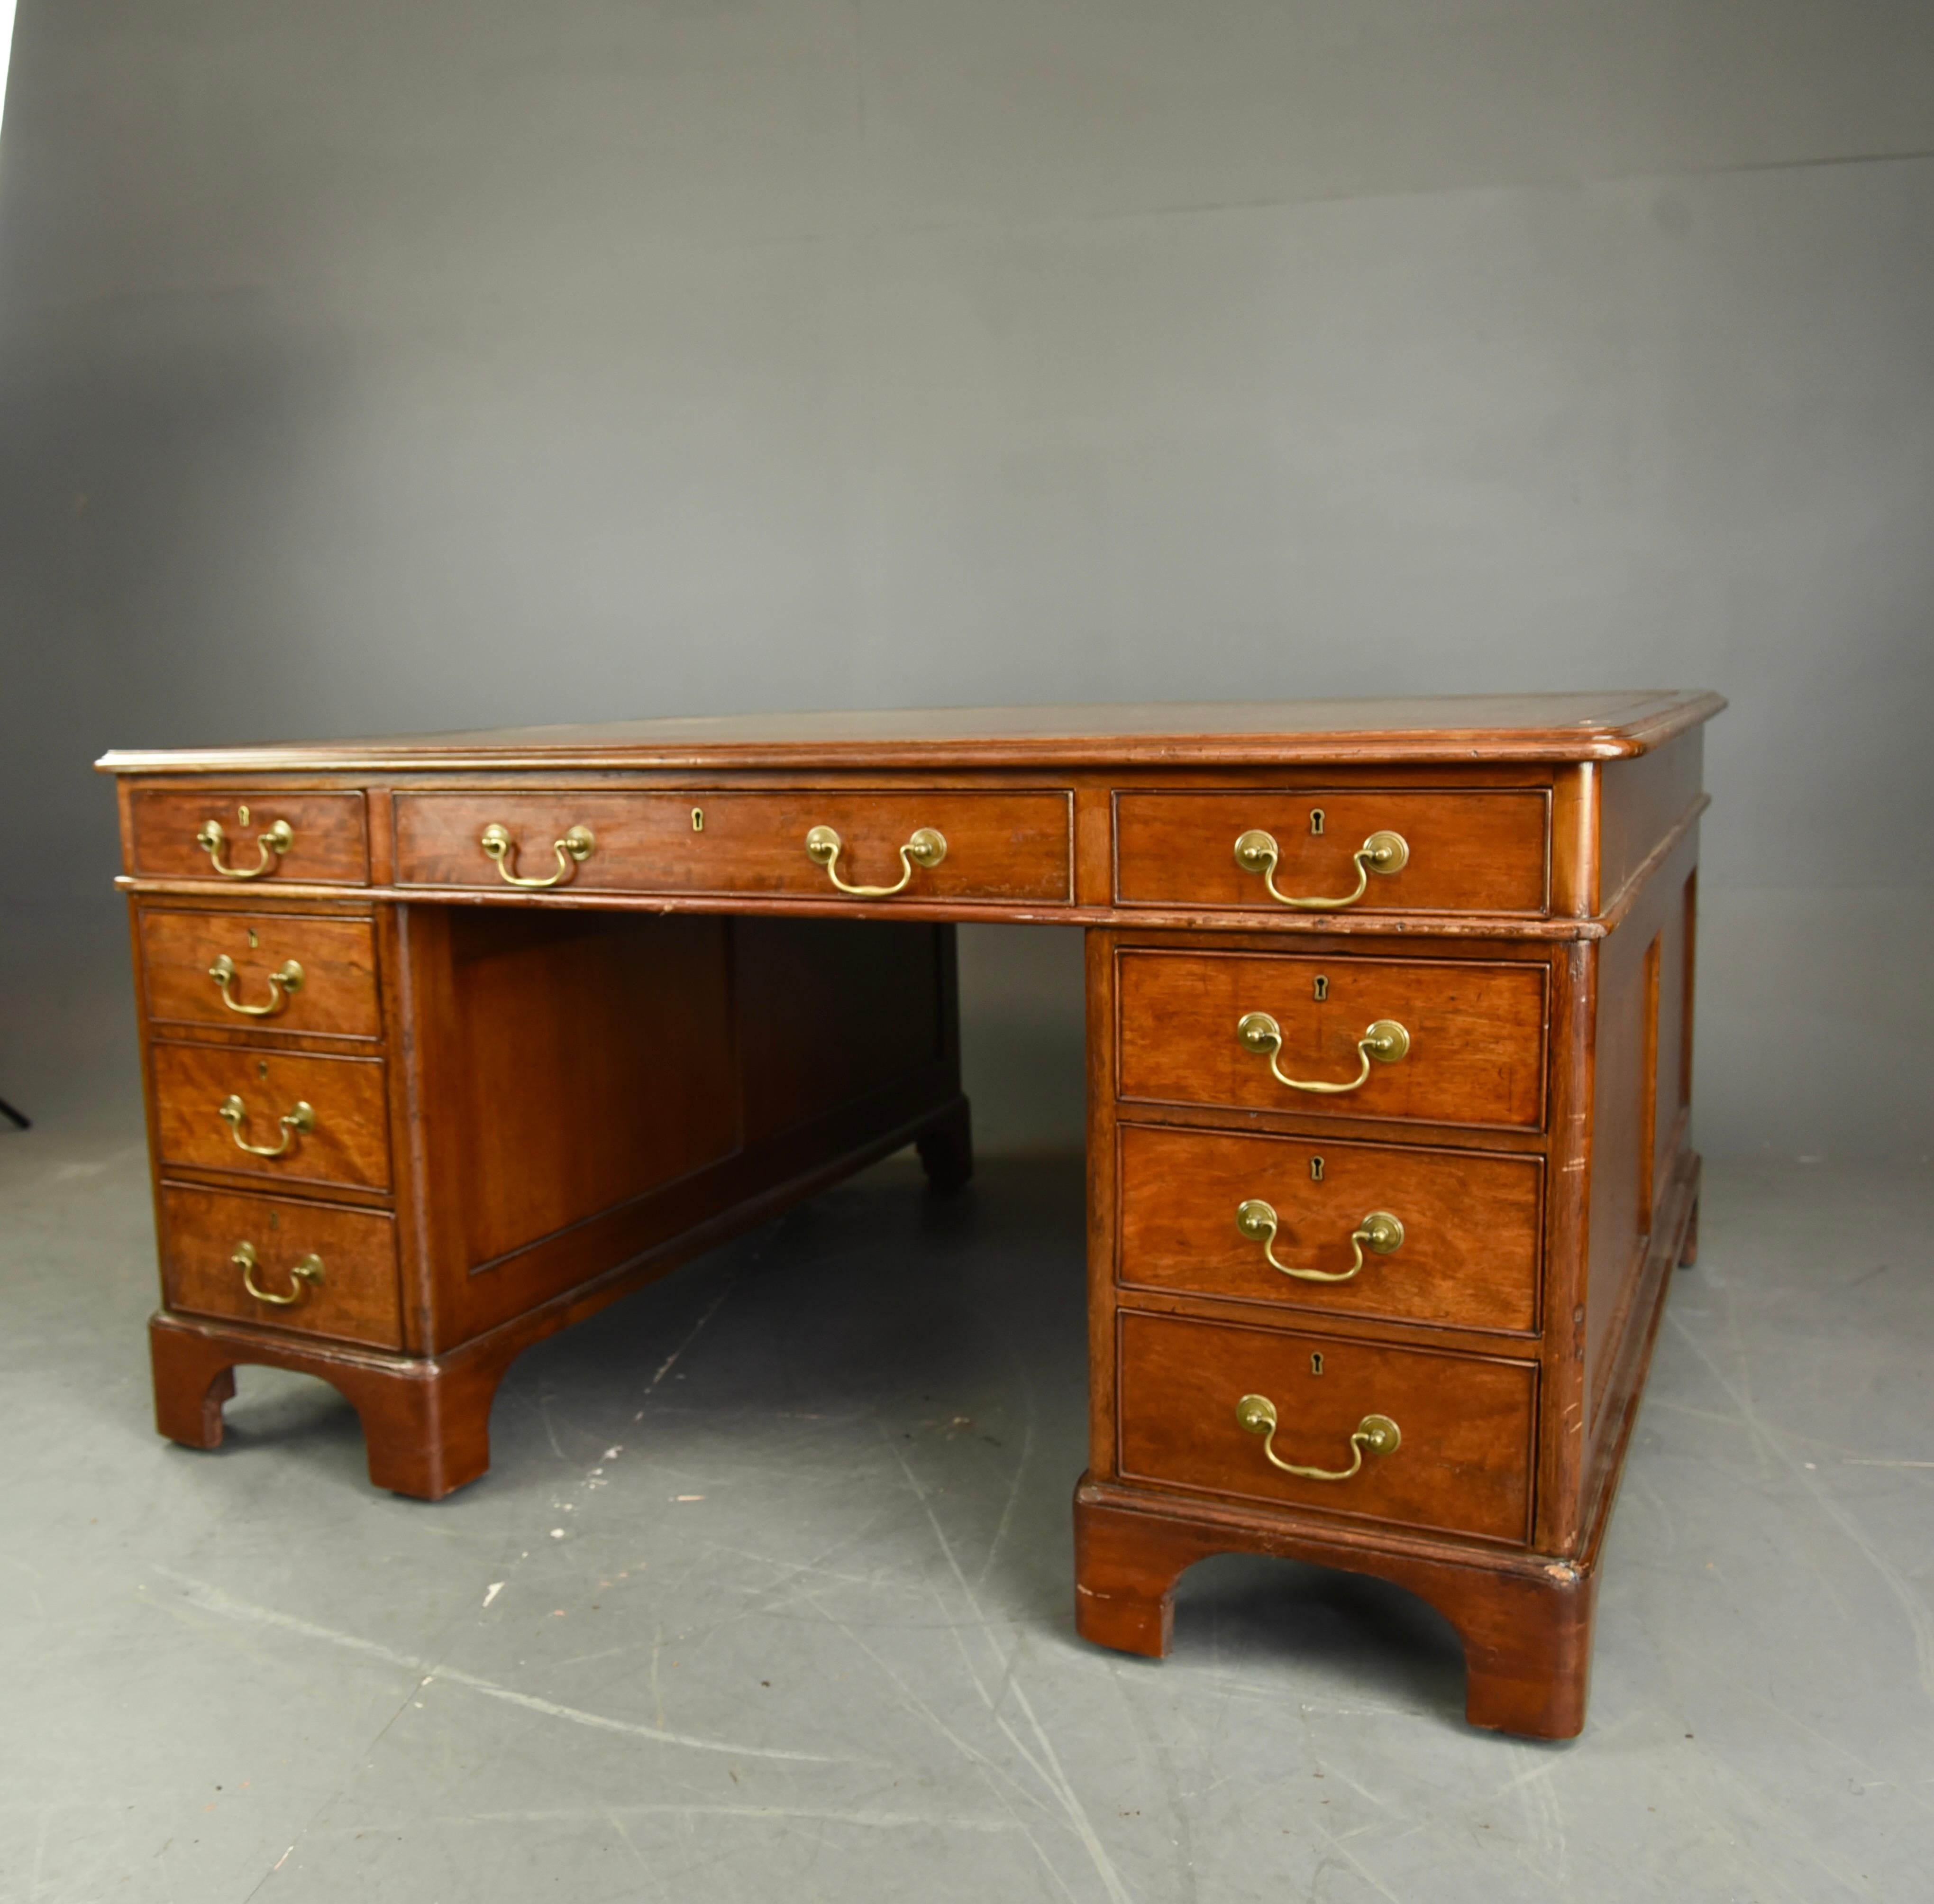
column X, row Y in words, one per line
column 1390, row 1074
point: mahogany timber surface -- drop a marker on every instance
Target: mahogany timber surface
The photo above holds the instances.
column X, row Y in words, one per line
column 337, row 997
column 349, row 1144
column 999, row 845
column 1463, row 1465
column 1465, row 729
column 355, row 1299
column 330, row 847
column 1471, row 1222
column 1469, row 851
column 1477, row 1033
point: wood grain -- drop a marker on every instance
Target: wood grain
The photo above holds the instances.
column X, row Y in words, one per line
column 356, row 1299
column 1000, row 846
column 349, row 1146
column 1469, row 1257
column 337, row 997
column 1470, row 852
column 1477, row 1030
column 330, row 847
column 1464, row 1466
column 1465, row 730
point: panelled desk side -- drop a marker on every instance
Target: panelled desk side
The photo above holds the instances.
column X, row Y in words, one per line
column 449, row 1042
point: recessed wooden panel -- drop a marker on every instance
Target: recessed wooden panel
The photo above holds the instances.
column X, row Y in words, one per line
column 831, row 1009
column 331, row 846
column 595, row 1062
column 1470, row 852
column 1463, row 1464
column 336, row 997
column 354, row 1300
column 1476, row 1034
column 349, row 1143
column 999, row 846
column 1469, row 1258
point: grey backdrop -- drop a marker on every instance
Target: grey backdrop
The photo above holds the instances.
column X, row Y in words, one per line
column 434, row 363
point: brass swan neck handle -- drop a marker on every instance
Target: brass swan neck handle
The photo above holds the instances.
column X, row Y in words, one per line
column 1375, row 1434
column 925, row 847
column 1383, row 1043
column 1385, row 853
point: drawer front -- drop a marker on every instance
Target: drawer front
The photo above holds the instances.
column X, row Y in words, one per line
column 347, row 1138
column 264, row 971
column 234, row 839
column 1462, row 852
column 215, row 1243
column 999, row 846
column 1475, row 1033
column 1462, row 1461
column 1420, row 1235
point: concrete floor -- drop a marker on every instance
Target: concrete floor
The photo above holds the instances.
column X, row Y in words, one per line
column 768, row 1596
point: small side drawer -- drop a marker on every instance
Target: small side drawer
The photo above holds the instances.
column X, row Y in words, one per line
column 261, row 972
column 1462, row 852
column 1472, row 1046
column 231, row 838
column 1420, row 1235
column 998, row 847
column 1463, row 1464
column 215, row 1243
column 327, row 1115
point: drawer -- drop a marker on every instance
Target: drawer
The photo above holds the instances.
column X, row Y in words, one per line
column 311, row 839
column 1463, row 1460
column 1461, row 852
column 266, row 971
column 1196, row 1028
column 214, row 1242
column 1004, row 847
column 346, row 1139
column 1421, row 1236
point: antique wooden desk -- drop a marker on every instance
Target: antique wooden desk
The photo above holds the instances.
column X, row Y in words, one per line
column 450, row 1041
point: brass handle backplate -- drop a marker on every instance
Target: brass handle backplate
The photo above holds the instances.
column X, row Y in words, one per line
column 270, row 845
column 300, row 1118
column 927, row 847
column 1383, row 1043
column 301, row 1275
column 572, row 850
column 1379, row 1231
column 283, row 986
column 1375, row 1434
column 1256, row 851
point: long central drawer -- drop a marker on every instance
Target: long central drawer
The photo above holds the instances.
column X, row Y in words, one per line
column 961, row 846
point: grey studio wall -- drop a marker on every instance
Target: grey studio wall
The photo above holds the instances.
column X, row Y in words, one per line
column 443, row 362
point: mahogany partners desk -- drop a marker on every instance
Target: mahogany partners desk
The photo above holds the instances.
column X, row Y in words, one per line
column 450, row 1041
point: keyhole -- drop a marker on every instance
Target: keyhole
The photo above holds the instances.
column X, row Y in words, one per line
column 1316, row 819
column 1322, row 988
column 262, row 1067
column 241, row 813
column 253, row 938
column 698, row 819
column 275, row 1220
column 1316, row 1365
column 1316, row 1169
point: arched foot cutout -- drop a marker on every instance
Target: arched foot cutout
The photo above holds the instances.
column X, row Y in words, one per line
column 1526, row 1633
column 425, row 1425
